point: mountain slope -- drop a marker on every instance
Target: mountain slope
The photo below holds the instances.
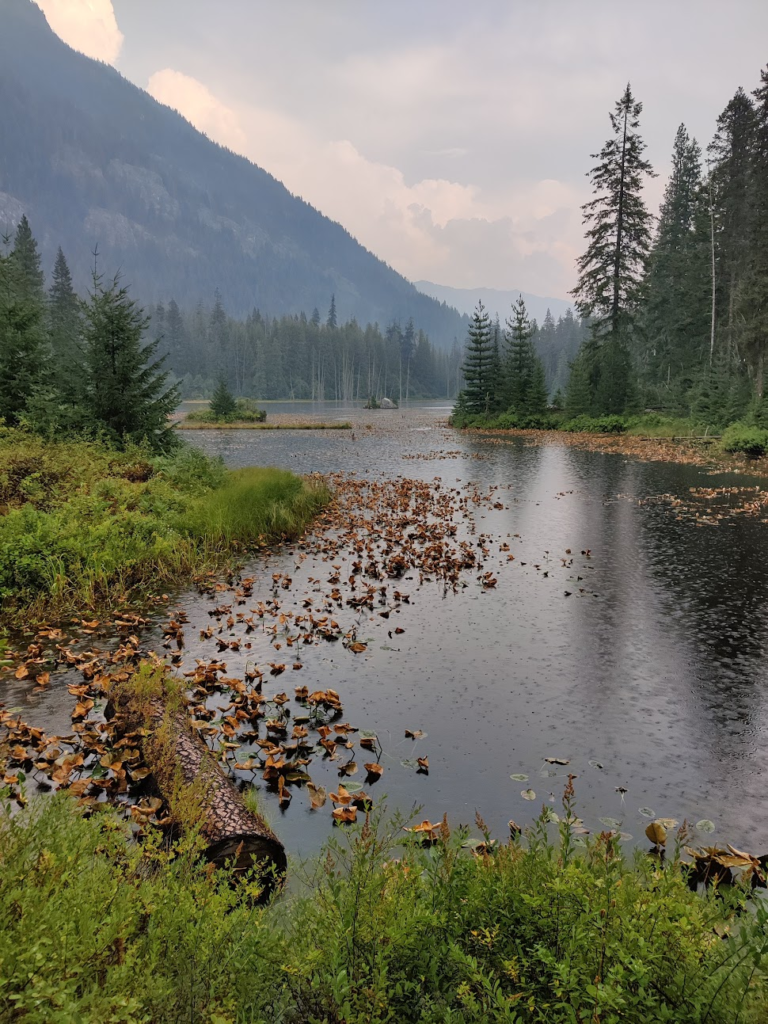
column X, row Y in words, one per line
column 91, row 159
column 495, row 300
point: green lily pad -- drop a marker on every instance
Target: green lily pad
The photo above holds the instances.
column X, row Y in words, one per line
column 528, row 794
column 646, row 812
column 610, row 823
column 705, row 825
column 519, row 777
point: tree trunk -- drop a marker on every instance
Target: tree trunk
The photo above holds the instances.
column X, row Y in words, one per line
column 180, row 756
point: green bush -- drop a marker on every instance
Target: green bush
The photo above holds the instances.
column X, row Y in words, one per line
column 82, row 524
column 746, row 440
column 596, row 425
column 94, row 927
column 245, row 411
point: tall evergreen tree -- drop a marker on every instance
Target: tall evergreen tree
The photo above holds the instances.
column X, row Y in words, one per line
column 731, row 156
column 524, row 387
column 618, row 226
column 677, row 310
column 480, row 366
column 27, row 266
column 127, row 387
column 65, row 326
column 223, row 403
column 24, row 356
column 752, row 294
column 331, row 320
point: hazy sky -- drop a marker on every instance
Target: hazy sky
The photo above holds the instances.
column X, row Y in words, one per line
column 451, row 138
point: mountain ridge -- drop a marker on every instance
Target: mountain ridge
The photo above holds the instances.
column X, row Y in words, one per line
column 496, row 300
column 93, row 159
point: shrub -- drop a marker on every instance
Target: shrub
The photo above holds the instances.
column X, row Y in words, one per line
column 750, row 441
column 383, row 929
column 596, row 425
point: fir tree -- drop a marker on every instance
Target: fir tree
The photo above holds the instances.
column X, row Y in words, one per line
column 731, row 153
column 331, row 320
column 223, row 403
column 24, row 356
column 618, row 226
column 479, row 369
column 315, row 318
column 752, row 294
column 127, row 388
column 65, row 326
column 676, row 315
column 524, row 386
column 27, row 268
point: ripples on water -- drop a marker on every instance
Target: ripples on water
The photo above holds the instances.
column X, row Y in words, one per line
column 656, row 670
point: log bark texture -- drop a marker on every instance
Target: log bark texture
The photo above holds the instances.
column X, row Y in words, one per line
column 177, row 757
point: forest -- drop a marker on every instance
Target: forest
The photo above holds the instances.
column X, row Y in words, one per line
column 677, row 310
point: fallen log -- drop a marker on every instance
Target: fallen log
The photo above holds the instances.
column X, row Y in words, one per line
column 198, row 792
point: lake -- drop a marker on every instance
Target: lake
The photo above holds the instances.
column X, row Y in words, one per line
column 641, row 663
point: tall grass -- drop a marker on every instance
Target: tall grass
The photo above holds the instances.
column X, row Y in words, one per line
column 96, row 928
column 83, row 525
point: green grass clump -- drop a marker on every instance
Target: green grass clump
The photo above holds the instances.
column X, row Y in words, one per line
column 83, row 525
column 740, row 438
column 95, row 927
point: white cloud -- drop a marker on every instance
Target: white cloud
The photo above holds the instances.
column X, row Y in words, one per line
column 198, row 104
column 89, row 26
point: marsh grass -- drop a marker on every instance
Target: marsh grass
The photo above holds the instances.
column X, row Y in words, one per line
column 537, row 931
column 83, row 526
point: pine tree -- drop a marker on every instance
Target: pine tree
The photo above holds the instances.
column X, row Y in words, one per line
column 174, row 330
column 731, row 155
column 127, row 387
column 480, row 378
column 65, row 328
column 331, row 320
column 524, row 387
column 24, row 354
column 612, row 268
column 315, row 318
column 223, row 403
column 27, row 268
column 677, row 310
column 752, row 294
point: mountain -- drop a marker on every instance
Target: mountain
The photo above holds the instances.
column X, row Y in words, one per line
column 495, row 300
column 92, row 159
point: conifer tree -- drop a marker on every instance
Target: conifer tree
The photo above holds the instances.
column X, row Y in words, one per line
column 331, row 320
column 676, row 315
column 524, row 387
column 65, row 326
column 731, row 153
column 479, row 369
column 618, row 226
column 127, row 390
column 27, row 267
column 223, row 403
column 24, row 356
column 752, row 294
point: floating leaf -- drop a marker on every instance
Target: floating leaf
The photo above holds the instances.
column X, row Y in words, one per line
column 409, row 762
column 317, row 795
column 625, row 837
column 668, row 823
column 646, row 812
column 357, row 647
column 519, row 777
column 528, row 794
column 705, row 825
column 656, row 833
column 595, row 764
column 610, row 823
column 373, row 769
column 353, row 787
column 557, row 760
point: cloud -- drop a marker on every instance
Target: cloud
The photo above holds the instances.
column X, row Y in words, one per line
column 89, row 26
column 198, row 104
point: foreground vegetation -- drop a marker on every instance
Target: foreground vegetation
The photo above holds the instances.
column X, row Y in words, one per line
column 83, row 523
column 95, row 927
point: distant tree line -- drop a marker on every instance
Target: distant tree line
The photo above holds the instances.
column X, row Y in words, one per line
column 302, row 357
column 674, row 315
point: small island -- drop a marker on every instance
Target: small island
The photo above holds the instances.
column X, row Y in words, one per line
column 226, row 412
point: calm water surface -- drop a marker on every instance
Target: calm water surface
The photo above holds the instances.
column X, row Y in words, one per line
column 654, row 667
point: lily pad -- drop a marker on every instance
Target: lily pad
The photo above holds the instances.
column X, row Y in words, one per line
column 409, row 762
column 353, row 787
column 366, row 734
column 625, row 837
column 705, row 825
column 610, row 823
column 528, row 794
column 646, row 812
column 594, row 764
column 519, row 777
